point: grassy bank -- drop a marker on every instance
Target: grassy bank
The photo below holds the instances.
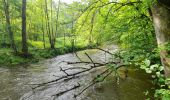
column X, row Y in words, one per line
column 7, row 58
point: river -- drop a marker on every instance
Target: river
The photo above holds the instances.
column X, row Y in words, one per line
column 16, row 83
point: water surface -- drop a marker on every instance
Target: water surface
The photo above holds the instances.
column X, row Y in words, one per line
column 15, row 83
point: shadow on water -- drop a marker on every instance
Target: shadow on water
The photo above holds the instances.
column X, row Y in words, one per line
column 131, row 88
column 15, row 82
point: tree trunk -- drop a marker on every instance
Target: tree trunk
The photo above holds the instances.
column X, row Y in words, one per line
column 43, row 32
column 24, row 35
column 161, row 19
column 11, row 35
column 91, row 30
column 57, row 21
column 48, row 24
column 52, row 30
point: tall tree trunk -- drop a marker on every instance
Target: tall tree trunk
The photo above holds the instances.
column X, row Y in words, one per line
column 24, row 35
column 52, row 31
column 43, row 32
column 57, row 21
column 48, row 23
column 11, row 35
column 64, row 39
column 161, row 19
column 91, row 30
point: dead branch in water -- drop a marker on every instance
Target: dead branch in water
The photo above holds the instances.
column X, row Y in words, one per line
column 95, row 81
column 105, row 51
column 61, row 93
column 90, row 59
column 68, row 75
column 92, row 65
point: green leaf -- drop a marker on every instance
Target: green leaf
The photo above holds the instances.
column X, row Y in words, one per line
column 147, row 62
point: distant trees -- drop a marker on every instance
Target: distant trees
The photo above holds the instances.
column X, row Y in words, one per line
column 49, row 26
column 57, row 20
column 39, row 24
column 46, row 22
column 51, row 32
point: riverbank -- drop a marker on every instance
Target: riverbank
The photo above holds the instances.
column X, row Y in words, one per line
column 8, row 59
column 17, row 80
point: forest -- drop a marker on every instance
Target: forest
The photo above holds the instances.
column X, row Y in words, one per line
column 84, row 49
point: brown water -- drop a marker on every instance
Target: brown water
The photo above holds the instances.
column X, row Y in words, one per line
column 15, row 83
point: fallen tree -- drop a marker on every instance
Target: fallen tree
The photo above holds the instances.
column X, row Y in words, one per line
column 114, row 66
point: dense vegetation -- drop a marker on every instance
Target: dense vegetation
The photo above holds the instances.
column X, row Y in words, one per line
column 50, row 31
column 53, row 27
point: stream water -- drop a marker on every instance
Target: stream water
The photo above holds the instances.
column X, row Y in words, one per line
column 15, row 83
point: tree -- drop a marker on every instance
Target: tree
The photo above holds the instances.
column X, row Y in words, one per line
column 24, row 34
column 8, row 25
column 161, row 20
column 57, row 21
column 48, row 25
column 160, row 10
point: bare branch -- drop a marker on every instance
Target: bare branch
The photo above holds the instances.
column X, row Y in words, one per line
column 64, row 71
column 67, row 76
column 90, row 58
column 82, row 62
column 105, row 51
column 85, row 89
column 74, row 68
column 91, row 7
column 93, row 83
column 99, row 78
column 61, row 93
column 77, row 56
column 118, row 3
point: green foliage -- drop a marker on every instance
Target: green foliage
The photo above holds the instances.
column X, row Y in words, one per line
column 146, row 65
column 84, row 25
column 36, row 44
column 9, row 59
column 163, row 94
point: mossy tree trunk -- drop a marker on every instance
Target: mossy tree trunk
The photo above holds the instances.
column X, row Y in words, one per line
column 161, row 19
column 24, row 35
column 8, row 24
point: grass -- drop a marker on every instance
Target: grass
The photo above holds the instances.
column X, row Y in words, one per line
column 37, row 51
